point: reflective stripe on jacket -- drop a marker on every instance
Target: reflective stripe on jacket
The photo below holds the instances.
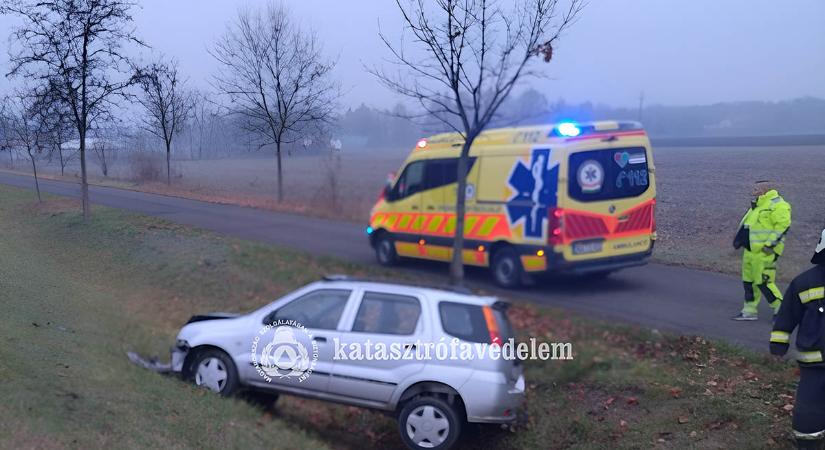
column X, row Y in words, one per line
column 803, row 309
column 767, row 222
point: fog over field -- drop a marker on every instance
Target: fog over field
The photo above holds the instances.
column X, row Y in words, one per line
column 702, row 192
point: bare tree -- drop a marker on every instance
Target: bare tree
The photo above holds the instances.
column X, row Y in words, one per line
column 75, row 46
column 275, row 77
column 468, row 57
column 167, row 104
column 24, row 129
column 60, row 130
column 104, row 145
column 4, row 129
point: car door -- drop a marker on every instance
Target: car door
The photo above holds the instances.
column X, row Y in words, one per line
column 293, row 349
column 394, row 320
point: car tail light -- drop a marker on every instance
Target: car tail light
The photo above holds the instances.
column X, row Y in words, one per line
column 653, row 216
column 555, row 227
column 492, row 326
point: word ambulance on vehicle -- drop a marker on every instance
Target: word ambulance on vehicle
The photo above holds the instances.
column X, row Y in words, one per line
column 571, row 197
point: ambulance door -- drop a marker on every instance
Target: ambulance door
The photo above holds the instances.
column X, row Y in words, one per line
column 432, row 198
column 450, row 196
column 433, row 230
column 407, row 218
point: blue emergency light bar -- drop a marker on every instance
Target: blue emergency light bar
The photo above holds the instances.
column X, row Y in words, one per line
column 568, row 129
column 573, row 129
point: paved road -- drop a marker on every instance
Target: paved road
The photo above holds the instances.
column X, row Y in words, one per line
column 657, row 296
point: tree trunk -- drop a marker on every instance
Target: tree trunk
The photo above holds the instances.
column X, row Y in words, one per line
column 36, row 182
column 103, row 166
column 84, row 183
column 62, row 163
column 168, row 169
column 280, row 173
column 457, row 264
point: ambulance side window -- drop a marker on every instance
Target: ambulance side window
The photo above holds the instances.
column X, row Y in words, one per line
column 410, row 182
column 441, row 172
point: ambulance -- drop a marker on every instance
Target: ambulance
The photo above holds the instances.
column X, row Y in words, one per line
column 563, row 198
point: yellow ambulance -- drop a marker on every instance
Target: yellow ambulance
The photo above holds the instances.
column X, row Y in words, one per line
column 568, row 197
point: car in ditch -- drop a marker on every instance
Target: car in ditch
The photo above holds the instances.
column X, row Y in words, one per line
column 324, row 341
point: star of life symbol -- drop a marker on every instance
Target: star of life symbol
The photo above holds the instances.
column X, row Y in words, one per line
column 590, row 176
column 535, row 191
column 284, row 355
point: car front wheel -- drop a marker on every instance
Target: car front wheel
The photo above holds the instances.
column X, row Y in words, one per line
column 215, row 370
column 429, row 422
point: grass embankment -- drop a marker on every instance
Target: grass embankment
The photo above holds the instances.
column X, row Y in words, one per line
column 77, row 296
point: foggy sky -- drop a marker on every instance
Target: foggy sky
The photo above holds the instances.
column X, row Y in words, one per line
column 677, row 52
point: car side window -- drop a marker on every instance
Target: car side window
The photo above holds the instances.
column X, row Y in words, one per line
column 465, row 322
column 319, row 309
column 411, row 181
column 387, row 314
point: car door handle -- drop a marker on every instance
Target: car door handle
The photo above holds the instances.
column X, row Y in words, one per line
column 430, row 207
column 319, row 339
column 413, row 207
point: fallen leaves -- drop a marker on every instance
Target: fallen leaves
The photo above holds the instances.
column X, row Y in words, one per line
column 676, row 392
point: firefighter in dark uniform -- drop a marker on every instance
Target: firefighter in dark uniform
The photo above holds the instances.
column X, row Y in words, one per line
column 804, row 308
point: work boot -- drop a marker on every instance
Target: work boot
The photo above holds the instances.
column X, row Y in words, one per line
column 745, row 317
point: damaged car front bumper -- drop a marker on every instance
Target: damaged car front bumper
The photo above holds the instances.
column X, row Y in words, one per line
column 178, row 355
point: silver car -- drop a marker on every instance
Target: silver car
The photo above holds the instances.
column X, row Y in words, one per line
column 325, row 341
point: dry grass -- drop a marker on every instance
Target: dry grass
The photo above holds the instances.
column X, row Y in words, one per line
column 126, row 282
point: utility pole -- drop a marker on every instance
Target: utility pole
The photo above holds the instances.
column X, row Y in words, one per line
column 641, row 106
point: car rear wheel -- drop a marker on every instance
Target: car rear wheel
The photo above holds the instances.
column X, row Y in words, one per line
column 385, row 251
column 215, row 370
column 506, row 268
column 429, row 422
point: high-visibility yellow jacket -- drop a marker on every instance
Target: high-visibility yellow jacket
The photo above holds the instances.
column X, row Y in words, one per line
column 767, row 222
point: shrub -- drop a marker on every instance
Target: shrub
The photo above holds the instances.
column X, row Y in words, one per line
column 147, row 166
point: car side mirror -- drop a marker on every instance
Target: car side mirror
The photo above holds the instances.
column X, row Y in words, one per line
column 388, row 193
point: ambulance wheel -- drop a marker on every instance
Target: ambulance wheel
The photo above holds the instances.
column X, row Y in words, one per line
column 506, row 268
column 385, row 250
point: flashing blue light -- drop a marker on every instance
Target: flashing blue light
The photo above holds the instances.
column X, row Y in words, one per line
column 568, row 129
column 369, row 230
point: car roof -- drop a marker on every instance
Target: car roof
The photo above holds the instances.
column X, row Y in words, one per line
column 431, row 293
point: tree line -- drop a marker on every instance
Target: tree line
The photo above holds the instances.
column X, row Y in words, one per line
column 457, row 61
column 72, row 59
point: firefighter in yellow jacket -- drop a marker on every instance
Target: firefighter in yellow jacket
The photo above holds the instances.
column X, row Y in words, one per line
column 762, row 235
column 804, row 310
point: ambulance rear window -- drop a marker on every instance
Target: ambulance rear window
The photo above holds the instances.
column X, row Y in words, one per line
column 608, row 174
